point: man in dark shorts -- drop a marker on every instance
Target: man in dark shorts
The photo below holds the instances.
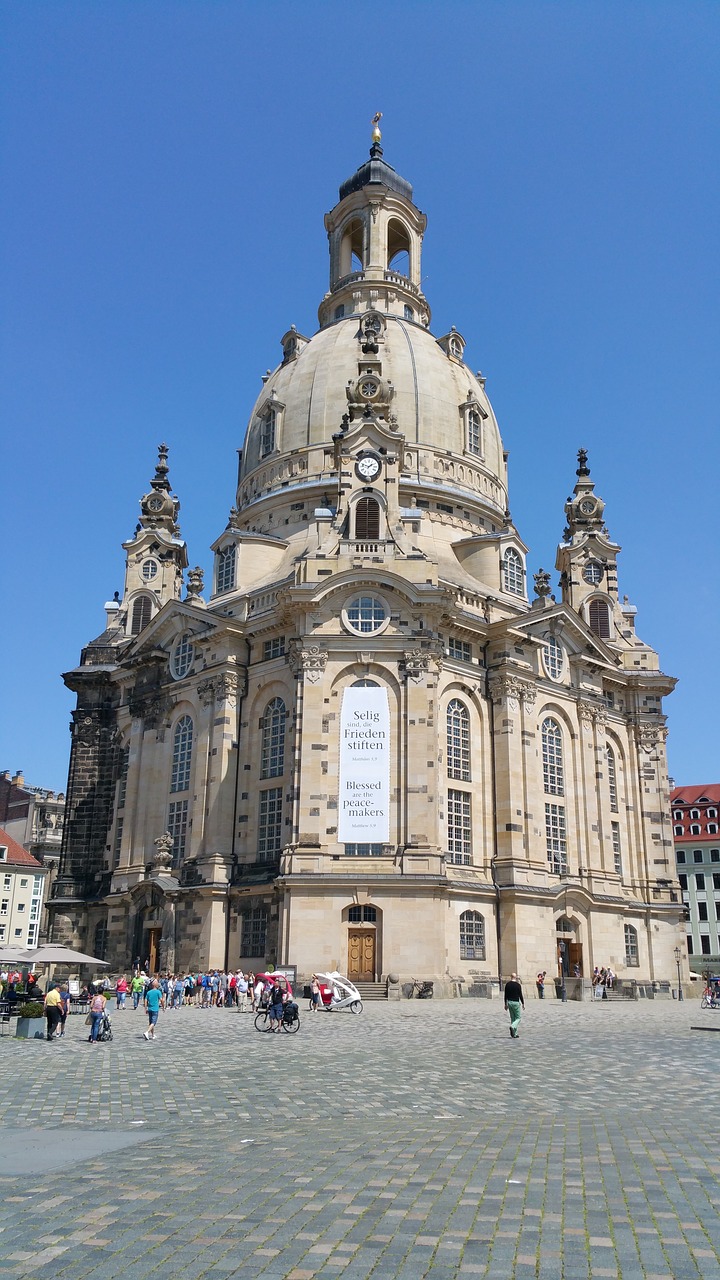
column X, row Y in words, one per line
column 275, row 1007
column 514, row 1001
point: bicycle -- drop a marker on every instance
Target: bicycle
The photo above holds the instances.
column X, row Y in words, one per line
column 290, row 1020
column 421, row 990
column 709, row 999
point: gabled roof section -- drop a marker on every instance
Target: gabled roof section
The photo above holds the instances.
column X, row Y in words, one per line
column 708, row 793
column 16, row 855
column 566, row 622
column 164, row 626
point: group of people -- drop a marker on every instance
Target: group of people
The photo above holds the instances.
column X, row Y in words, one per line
column 214, row 989
column 603, row 978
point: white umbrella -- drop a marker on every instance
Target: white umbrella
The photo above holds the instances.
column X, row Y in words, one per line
column 15, row 956
column 54, row 953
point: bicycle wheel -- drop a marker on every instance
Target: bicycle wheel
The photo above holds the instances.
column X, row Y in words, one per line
column 262, row 1021
column 292, row 1027
column 704, row 1003
column 356, row 1006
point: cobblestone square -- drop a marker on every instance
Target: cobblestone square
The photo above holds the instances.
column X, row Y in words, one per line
column 416, row 1140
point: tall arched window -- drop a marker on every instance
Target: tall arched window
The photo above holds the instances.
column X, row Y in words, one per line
column 599, row 619
column 100, row 939
column 552, row 757
column 272, row 759
column 513, row 572
column 472, row 936
column 631, row 947
column 226, row 568
column 142, row 606
column 398, row 247
column 458, row 741
column 367, row 519
column 612, row 779
column 474, row 427
column 182, row 754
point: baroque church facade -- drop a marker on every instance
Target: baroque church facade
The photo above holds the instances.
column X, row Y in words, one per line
column 371, row 748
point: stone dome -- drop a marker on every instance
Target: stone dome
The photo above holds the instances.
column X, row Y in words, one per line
column 430, row 389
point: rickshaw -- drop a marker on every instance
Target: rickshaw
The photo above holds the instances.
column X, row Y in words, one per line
column 291, row 1016
column 337, row 992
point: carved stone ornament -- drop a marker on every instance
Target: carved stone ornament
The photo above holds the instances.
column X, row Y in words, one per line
column 206, row 692
column 228, row 687
column 414, row 665
column 648, row 736
column 513, row 690
column 542, row 583
column 163, row 856
column 591, row 714
column 86, row 730
column 307, row 660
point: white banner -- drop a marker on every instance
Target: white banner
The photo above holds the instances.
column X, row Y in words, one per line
column 364, row 793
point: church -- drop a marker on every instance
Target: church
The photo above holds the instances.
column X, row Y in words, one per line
column 371, row 744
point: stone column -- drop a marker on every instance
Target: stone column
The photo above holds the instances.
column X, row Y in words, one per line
column 308, row 662
column 417, row 797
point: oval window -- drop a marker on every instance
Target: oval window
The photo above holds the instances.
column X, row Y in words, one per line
column 182, row 658
column 365, row 615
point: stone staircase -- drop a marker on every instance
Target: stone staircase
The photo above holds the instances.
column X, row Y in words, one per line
column 372, row 991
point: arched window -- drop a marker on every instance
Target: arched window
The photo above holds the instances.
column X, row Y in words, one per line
column 182, row 755
column 367, row 519
column 552, row 757
column 458, row 741
column 351, row 248
column 631, row 947
column 599, row 619
column 513, row 572
column 267, row 432
column 226, row 568
column 678, row 830
column 100, row 939
column 472, row 936
column 612, row 779
column 474, row 427
column 398, row 248
column 142, row 606
column 272, row 759
column 408, row 312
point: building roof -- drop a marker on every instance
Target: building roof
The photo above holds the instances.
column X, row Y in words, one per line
column 700, row 798
column 376, row 171
column 16, row 855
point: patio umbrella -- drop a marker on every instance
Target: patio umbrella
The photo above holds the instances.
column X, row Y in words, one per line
column 54, row 953
column 15, row 956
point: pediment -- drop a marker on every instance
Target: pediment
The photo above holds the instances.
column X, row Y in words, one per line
column 571, row 630
column 156, row 639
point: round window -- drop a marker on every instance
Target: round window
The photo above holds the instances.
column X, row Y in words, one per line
column 593, row 573
column 366, row 615
column 149, row 570
column 553, row 657
column 182, row 657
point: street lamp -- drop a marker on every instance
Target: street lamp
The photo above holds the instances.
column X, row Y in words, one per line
column 678, row 955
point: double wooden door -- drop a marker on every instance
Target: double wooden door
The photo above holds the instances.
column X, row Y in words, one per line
column 361, row 955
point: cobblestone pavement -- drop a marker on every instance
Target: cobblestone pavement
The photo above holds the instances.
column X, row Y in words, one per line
column 416, row 1140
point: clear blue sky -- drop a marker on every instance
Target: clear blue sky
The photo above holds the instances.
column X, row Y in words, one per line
column 165, row 169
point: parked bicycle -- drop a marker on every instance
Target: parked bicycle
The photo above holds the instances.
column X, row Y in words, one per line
column 419, row 990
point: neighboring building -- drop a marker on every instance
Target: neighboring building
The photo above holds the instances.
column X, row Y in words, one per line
column 696, row 831
column 371, row 750
column 34, row 817
column 22, row 882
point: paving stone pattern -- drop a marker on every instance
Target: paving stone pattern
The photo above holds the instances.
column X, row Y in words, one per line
column 416, row 1140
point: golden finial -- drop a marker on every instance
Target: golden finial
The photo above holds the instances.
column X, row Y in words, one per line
column 375, row 122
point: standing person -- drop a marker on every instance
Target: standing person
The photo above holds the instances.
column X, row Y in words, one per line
column 121, row 990
column 64, row 1008
column 153, row 1002
column 241, row 989
column 259, row 987
column 137, row 987
column 514, row 1001
column 276, row 1007
column 540, row 984
column 53, row 1011
column 97, row 1009
column 314, row 994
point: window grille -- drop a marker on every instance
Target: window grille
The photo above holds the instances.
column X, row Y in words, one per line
column 631, row 947
column 612, row 779
column 474, row 432
column 118, row 843
column 254, row 931
column 513, row 572
column 617, row 849
column 556, row 838
column 472, row 936
column 366, row 614
column 272, row 760
column 459, row 828
column 178, row 828
column 459, row 649
column 142, row 606
column 363, row 850
column 270, row 824
column 458, row 741
column 267, row 433
column 552, row 756
column 226, row 568
column 553, row 657
column 183, row 656
column 182, row 755
column 274, row 648
column 362, row 915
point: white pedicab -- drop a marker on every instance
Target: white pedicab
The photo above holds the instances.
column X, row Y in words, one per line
column 337, row 992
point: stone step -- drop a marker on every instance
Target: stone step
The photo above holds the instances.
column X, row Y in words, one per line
column 372, row 990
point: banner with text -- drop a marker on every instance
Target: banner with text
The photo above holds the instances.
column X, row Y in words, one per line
column 364, row 793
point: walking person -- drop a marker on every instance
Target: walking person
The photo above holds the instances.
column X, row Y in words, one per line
column 241, row 988
column 314, row 994
column 514, row 1002
column 137, row 987
column 64, row 1008
column 121, row 990
column 97, row 1009
column 540, row 984
column 53, row 1011
column 153, row 1002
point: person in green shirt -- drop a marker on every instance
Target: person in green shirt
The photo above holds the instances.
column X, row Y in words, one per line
column 137, row 987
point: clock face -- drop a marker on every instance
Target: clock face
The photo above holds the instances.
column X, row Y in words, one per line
column 155, row 504
column 368, row 467
column 587, row 506
column 369, row 388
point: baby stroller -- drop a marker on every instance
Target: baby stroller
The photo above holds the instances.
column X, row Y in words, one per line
column 105, row 1028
